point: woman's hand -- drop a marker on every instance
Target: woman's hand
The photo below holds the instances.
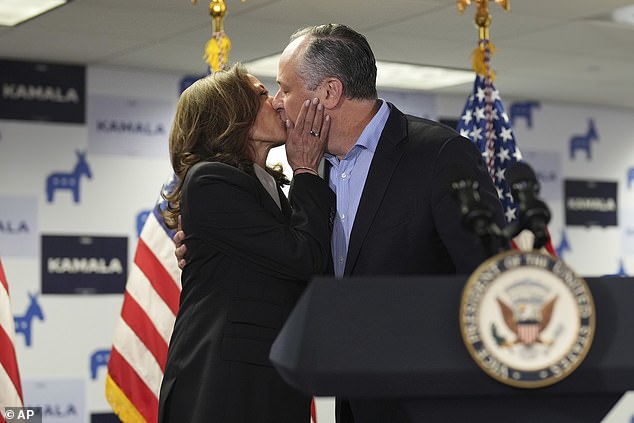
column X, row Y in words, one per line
column 306, row 140
column 180, row 251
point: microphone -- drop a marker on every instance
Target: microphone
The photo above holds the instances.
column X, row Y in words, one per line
column 476, row 215
column 534, row 214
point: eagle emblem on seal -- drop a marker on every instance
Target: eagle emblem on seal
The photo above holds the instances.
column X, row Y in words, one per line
column 526, row 320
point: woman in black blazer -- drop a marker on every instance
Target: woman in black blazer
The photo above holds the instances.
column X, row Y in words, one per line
column 250, row 252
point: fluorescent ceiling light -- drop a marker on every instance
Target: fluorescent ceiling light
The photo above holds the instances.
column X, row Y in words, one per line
column 624, row 15
column 13, row 12
column 389, row 74
column 266, row 66
column 417, row 77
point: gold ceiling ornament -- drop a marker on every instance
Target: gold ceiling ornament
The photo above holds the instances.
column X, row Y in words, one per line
column 217, row 48
column 483, row 53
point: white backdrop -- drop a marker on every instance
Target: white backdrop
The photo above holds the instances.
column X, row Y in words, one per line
column 56, row 366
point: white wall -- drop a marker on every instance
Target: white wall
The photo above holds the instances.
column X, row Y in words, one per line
column 122, row 185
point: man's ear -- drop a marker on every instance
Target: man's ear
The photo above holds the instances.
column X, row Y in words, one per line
column 333, row 93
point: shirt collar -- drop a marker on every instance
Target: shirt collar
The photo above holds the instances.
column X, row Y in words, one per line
column 268, row 182
column 369, row 138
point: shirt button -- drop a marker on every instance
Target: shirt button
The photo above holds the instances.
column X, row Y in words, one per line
column 343, row 216
column 344, row 175
column 340, row 259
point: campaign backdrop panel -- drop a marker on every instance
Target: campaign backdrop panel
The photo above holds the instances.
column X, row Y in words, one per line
column 84, row 264
column 41, row 91
column 591, row 203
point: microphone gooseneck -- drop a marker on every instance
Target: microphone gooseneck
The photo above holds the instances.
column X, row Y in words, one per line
column 534, row 214
column 477, row 216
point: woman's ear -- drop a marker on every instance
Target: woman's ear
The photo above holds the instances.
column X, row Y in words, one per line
column 333, row 93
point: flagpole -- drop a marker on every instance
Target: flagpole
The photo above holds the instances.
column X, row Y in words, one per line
column 486, row 123
column 482, row 66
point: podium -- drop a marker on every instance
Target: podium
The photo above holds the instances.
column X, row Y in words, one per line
column 398, row 338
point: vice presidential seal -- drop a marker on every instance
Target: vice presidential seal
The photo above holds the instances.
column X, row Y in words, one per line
column 527, row 319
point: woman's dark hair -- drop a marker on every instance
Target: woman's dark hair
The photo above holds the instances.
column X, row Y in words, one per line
column 213, row 121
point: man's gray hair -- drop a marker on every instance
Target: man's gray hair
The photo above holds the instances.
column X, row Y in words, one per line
column 338, row 51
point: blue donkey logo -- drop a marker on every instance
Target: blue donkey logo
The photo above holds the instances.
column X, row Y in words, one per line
column 563, row 245
column 583, row 142
column 524, row 110
column 68, row 180
column 98, row 359
column 23, row 323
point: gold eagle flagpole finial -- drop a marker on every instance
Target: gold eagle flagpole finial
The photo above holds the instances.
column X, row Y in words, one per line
column 217, row 48
column 485, row 49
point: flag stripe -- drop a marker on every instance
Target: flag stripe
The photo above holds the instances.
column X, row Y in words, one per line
column 160, row 278
column 138, row 356
column 159, row 240
column 133, row 387
column 152, row 304
column 11, row 391
column 142, row 326
column 10, row 386
column 8, row 394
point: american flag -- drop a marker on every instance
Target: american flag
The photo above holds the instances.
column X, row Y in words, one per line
column 485, row 122
column 10, row 386
column 142, row 334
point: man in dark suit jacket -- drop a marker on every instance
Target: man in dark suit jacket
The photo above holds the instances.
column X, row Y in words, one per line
column 391, row 173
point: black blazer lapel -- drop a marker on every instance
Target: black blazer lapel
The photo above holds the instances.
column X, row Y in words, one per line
column 386, row 157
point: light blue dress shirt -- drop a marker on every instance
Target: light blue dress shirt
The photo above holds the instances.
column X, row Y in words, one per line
column 347, row 178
